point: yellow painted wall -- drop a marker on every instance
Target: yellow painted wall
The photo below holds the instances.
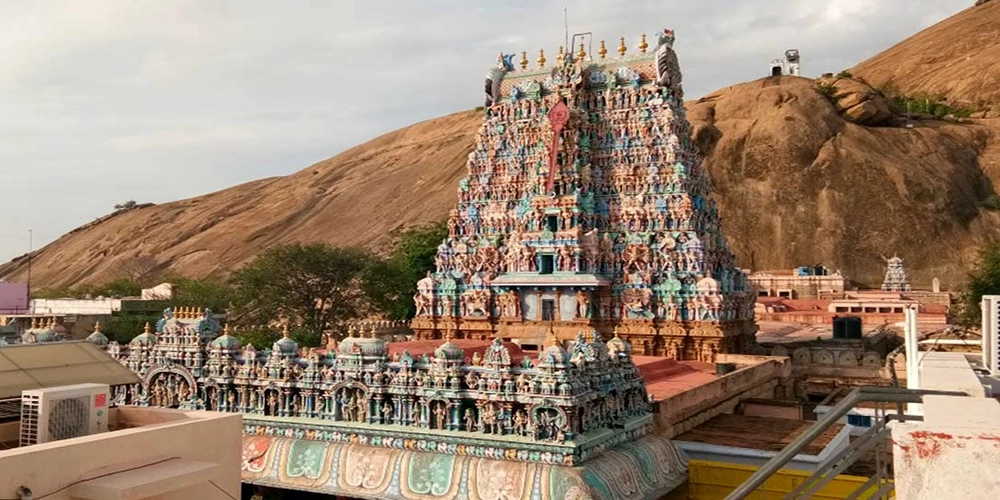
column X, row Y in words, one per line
column 714, row 480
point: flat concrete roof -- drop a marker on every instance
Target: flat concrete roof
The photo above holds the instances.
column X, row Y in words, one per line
column 667, row 377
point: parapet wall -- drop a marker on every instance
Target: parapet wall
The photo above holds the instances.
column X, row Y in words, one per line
column 763, row 377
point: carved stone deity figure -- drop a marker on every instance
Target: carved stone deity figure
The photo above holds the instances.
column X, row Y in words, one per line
column 387, row 412
column 470, row 420
column 439, row 412
column 565, row 259
column 424, row 298
column 582, row 304
column 361, row 405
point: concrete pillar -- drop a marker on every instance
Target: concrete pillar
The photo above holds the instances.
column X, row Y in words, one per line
column 912, row 354
column 991, row 317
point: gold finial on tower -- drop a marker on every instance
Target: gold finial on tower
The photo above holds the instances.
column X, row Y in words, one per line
column 561, row 56
column 34, row 323
column 147, row 328
column 621, row 47
column 97, row 327
column 551, row 340
column 642, row 44
column 581, row 54
column 603, row 51
column 225, row 330
column 284, row 330
column 541, row 58
column 524, row 60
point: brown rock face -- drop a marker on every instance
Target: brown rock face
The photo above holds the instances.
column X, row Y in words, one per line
column 857, row 102
column 360, row 197
column 958, row 58
column 797, row 183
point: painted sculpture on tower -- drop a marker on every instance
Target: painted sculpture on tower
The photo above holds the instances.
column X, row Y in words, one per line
column 586, row 202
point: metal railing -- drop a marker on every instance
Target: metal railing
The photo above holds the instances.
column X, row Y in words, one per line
column 873, row 438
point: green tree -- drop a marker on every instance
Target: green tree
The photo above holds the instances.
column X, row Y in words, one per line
column 315, row 286
column 125, row 327
column 264, row 338
column 983, row 280
column 391, row 283
column 261, row 338
column 190, row 292
column 121, row 287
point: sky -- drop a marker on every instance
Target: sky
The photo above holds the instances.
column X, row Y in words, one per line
column 105, row 101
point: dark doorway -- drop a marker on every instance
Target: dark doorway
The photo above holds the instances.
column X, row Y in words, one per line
column 551, row 223
column 548, row 264
column 775, row 70
column 548, row 310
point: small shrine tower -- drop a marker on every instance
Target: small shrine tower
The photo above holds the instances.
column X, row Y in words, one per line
column 895, row 276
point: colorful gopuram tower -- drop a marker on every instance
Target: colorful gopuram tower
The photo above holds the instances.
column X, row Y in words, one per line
column 587, row 206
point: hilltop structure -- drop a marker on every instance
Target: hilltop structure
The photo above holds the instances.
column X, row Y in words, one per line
column 456, row 415
column 586, row 205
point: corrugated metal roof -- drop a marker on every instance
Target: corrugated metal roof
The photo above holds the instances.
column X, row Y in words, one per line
column 52, row 364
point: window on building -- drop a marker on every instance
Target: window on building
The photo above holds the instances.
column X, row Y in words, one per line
column 763, row 293
column 548, row 264
column 859, row 420
column 548, row 310
column 841, row 309
column 552, row 223
column 785, row 294
column 898, row 310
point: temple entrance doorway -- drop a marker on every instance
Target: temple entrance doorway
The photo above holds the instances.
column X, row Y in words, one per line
column 548, row 310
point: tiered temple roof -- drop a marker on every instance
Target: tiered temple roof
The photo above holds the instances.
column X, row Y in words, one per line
column 572, row 403
column 586, row 204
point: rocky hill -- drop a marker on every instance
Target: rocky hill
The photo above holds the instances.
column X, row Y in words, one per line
column 359, row 197
column 805, row 172
column 958, row 59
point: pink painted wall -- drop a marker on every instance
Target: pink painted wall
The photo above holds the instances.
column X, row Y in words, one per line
column 13, row 298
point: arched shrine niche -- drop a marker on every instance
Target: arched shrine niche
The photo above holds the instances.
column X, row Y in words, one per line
column 549, row 423
column 351, row 402
column 169, row 387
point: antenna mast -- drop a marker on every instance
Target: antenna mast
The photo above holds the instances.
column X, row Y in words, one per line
column 31, row 249
column 566, row 44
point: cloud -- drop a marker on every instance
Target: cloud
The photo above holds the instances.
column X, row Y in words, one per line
column 156, row 101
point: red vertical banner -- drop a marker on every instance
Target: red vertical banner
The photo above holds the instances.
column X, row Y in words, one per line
column 558, row 116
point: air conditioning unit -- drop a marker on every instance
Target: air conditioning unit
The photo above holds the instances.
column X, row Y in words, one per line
column 63, row 412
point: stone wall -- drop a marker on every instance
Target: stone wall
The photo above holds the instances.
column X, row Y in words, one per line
column 954, row 453
column 759, row 377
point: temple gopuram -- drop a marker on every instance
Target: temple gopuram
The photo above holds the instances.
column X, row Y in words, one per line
column 586, row 205
column 462, row 419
